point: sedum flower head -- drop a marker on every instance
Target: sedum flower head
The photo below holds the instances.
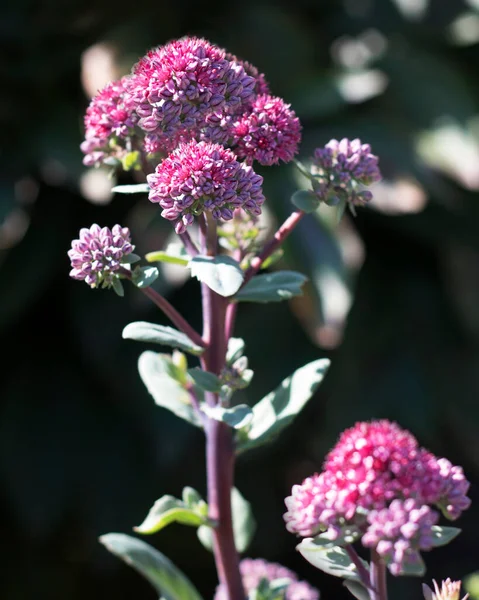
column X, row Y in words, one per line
column 372, row 466
column 97, row 256
column 254, row 571
column 108, row 123
column 399, row 532
column 186, row 89
column 201, row 176
column 268, row 132
column 449, row 590
column 342, row 169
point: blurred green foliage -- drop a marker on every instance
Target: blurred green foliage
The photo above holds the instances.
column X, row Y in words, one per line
column 83, row 449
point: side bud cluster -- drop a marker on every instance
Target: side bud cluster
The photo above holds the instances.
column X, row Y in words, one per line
column 342, row 169
column 99, row 253
column 258, row 574
column 378, row 481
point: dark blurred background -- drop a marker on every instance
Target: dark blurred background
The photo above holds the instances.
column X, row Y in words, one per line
column 393, row 297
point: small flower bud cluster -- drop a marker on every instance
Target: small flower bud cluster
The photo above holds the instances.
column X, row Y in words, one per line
column 108, row 124
column 450, row 590
column 342, row 169
column 200, row 176
column 97, row 256
column 254, row 571
column 399, row 532
column 377, row 467
column 268, row 132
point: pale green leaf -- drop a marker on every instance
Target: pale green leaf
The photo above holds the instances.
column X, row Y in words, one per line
column 222, row 274
column 235, row 349
column 278, row 409
column 160, row 334
column 357, row 590
column 168, row 510
column 443, row 535
column 205, row 380
column 272, row 287
column 169, row 582
column 143, row 277
column 174, row 254
column 167, row 392
column 117, row 286
column 332, row 560
column 237, row 417
column 305, row 200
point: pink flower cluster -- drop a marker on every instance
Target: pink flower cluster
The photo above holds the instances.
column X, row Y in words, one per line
column 200, row 176
column 269, row 132
column 342, row 169
column 180, row 89
column 399, row 532
column 372, row 465
column 253, row 571
column 97, row 256
column 108, row 122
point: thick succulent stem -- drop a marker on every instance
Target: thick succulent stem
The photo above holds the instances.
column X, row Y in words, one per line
column 220, row 453
column 378, row 589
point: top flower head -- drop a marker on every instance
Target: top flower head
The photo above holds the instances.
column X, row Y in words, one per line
column 183, row 88
column 377, row 475
column 108, row 121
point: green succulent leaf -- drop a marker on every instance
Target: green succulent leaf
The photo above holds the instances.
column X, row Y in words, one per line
column 209, row 382
column 235, row 349
column 332, row 560
column 117, row 286
column 356, row 589
column 169, row 582
column 129, row 259
column 174, row 254
column 279, row 408
column 160, row 334
column 130, row 161
column 305, row 200
column 222, row 274
column 272, row 287
column 413, row 570
column 169, row 509
column 236, row 417
column 244, row 524
column 156, row 372
column 443, row 535
column 143, row 277
column 272, row 259
column 139, row 188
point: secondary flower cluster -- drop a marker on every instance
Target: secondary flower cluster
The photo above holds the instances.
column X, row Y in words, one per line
column 199, row 176
column 379, row 480
column 254, row 571
column 108, row 124
column 342, row 169
column 97, row 256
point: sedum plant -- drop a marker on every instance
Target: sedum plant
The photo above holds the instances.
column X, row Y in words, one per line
column 193, row 121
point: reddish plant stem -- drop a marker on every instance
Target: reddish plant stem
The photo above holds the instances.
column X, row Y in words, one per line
column 286, row 228
column 220, row 454
column 189, row 244
column 169, row 311
column 360, row 568
column 378, row 584
column 273, row 245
